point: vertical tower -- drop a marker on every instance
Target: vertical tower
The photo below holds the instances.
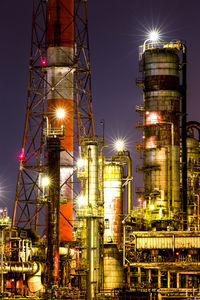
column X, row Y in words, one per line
column 60, row 71
column 193, row 163
column 161, row 125
column 59, row 77
column 89, row 212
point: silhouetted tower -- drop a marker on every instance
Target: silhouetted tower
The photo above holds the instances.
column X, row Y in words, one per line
column 59, row 77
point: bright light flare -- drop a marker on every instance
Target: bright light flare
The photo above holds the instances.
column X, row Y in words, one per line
column 44, row 62
column 81, row 200
column 152, row 118
column 152, row 207
column 45, row 181
column 120, row 145
column 60, row 113
column 21, row 156
column 151, row 143
column 154, row 35
column 80, row 163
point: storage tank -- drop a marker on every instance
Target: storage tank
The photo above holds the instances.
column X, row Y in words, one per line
column 113, row 206
column 160, row 67
column 113, row 268
column 113, row 210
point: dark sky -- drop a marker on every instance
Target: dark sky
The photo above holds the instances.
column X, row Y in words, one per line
column 116, row 29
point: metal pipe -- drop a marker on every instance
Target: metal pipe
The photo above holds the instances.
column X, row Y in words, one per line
column 21, row 267
column 129, row 183
column 172, row 164
column 53, row 151
column 198, row 202
column 89, row 286
column 88, row 171
column 172, row 135
column 124, row 242
column 184, row 134
column 198, row 213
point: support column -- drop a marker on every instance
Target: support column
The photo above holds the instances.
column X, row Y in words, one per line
column 139, row 275
column 159, row 279
column 149, row 277
column 168, row 280
column 177, row 281
column 129, row 276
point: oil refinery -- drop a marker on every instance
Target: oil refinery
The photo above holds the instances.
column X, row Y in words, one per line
column 74, row 232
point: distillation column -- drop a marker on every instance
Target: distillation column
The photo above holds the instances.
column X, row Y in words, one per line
column 193, row 183
column 88, row 212
column 91, row 213
column 60, row 70
column 193, row 168
column 161, row 162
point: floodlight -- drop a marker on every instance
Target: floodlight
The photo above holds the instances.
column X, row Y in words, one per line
column 120, row 145
column 81, row 200
column 60, row 113
column 80, row 163
column 45, row 181
column 154, row 35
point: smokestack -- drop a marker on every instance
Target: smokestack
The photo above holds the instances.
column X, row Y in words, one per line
column 60, row 60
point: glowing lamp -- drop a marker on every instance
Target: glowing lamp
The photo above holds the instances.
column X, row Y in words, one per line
column 21, row 156
column 81, row 200
column 80, row 163
column 151, row 143
column 81, row 168
column 120, row 145
column 152, row 206
column 44, row 62
column 45, row 181
column 60, row 113
column 152, row 118
column 72, row 251
column 154, row 35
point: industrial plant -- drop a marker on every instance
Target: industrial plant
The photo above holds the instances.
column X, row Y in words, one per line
column 74, row 232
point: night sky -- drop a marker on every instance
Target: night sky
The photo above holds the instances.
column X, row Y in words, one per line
column 116, row 29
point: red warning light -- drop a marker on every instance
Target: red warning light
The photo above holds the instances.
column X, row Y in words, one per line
column 44, row 62
column 21, row 156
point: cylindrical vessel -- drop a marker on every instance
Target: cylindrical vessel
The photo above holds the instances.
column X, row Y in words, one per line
column 60, row 60
column 91, row 185
column 91, row 214
column 113, row 206
column 113, row 269
column 193, row 212
column 161, row 163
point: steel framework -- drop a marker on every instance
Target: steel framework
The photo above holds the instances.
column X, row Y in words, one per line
column 30, row 201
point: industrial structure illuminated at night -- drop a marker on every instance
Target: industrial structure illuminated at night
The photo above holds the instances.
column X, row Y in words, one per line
column 74, row 233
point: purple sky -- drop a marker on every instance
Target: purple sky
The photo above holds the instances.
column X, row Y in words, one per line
column 116, row 29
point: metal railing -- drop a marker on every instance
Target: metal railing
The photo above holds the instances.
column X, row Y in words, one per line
column 153, row 45
column 54, row 132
